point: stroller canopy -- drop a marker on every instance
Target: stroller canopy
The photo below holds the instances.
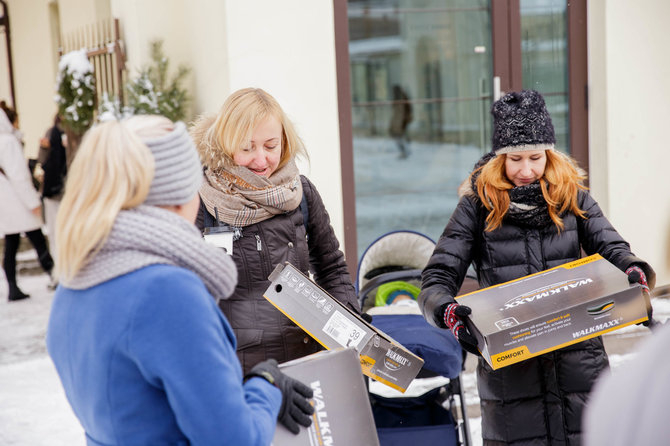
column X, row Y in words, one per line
column 398, row 255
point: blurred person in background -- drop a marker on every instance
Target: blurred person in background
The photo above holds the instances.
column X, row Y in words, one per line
column 21, row 205
column 54, row 167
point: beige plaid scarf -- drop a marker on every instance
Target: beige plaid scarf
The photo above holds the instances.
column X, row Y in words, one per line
column 243, row 198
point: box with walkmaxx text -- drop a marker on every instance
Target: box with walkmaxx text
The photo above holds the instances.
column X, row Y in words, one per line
column 333, row 325
column 546, row 311
column 342, row 412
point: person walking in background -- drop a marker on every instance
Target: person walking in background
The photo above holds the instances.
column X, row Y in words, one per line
column 401, row 116
column 55, row 170
column 524, row 209
column 253, row 185
column 21, row 206
column 143, row 352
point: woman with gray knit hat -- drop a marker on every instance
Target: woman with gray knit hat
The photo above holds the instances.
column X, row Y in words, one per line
column 143, row 352
column 524, row 209
column 253, row 186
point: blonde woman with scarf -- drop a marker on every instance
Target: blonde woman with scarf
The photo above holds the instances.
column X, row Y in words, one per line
column 143, row 352
column 252, row 184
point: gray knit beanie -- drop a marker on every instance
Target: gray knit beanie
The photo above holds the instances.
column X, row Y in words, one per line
column 521, row 122
column 178, row 172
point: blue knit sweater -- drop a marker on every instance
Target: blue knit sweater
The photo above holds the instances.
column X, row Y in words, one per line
column 147, row 358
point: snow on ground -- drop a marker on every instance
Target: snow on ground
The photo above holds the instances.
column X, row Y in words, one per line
column 33, row 407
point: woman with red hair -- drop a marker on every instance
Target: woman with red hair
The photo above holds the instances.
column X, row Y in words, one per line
column 523, row 210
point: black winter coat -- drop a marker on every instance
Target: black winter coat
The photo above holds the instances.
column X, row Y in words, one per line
column 262, row 331
column 538, row 401
column 55, row 166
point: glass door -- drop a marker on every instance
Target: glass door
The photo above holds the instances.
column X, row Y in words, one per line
column 544, row 60
column 423, row 75
column 421, row 93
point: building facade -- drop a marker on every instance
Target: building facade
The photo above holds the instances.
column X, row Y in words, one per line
column 392, row 97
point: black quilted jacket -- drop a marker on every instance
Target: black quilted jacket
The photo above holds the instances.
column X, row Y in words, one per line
column 262, row 331
column 538, row 401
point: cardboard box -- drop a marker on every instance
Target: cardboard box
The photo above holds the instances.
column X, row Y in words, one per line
column 342, row 412
column 333, row 325
column 552, row 309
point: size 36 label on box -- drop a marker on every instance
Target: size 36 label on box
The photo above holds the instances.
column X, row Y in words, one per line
column 346, row 333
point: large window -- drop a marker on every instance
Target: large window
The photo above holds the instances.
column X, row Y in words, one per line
column 423, row 75
column 544, row 59
column 421, row 93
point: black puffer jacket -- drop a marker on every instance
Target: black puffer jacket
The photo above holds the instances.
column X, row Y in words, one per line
column 262, row 331
column 538, row 401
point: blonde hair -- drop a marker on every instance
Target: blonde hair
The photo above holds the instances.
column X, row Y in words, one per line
column 560, row 184
column 240, row 114
column 112, row 171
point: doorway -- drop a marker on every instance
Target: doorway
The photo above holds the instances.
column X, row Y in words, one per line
column 423, row 75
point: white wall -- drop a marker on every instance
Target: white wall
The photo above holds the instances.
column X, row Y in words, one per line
column 288, row 49
column 5, row 90
column 208, row 42
column 143, row 22
column 629, row 115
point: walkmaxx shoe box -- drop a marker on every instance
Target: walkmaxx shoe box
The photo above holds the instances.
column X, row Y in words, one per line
column 342, row 412
column 552, row 309
column 333, row 325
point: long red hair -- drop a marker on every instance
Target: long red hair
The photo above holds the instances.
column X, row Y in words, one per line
column 560, row 183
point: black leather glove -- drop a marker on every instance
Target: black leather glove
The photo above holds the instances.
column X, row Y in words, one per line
column 295, row 408
column 454, row 314
column 636, row 275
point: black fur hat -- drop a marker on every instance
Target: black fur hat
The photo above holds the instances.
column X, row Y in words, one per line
column 521, row 122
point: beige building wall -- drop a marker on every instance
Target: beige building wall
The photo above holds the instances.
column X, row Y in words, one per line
column 5, row 90
column 288, row 49
column 74, row 14
column 34, row 69
column 628, row 117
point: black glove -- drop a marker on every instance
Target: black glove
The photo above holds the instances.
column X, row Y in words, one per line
column 295, row 408
column 366, row 317
column 454, row 314
column 636, row 275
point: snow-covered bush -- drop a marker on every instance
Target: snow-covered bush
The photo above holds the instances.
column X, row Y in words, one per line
column 75, row 85
column 111, row 109
column 151, row 92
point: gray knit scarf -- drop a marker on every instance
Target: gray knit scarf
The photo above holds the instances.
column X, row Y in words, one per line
column 148, row 235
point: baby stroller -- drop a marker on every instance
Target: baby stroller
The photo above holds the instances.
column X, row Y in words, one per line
column 389, row 270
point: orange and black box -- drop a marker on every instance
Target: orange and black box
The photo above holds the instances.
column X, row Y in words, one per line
column 552, row 309
column 333, row 325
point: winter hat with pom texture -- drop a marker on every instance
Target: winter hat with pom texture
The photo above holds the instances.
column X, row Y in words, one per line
column 521, row 122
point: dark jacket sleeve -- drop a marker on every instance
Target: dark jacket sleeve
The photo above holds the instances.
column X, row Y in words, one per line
column 443, row 275
column 326, row 260
column 597, row 235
